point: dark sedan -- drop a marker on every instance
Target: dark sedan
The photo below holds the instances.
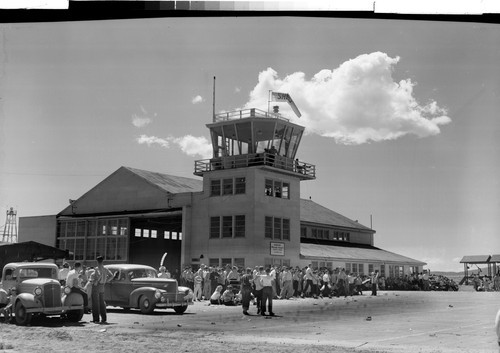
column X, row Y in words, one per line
column 138, row 286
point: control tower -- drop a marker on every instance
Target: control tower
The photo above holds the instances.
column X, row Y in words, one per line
column 252, row 137
column 251, row 202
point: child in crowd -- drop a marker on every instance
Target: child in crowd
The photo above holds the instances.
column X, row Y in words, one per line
column 228, row 296
column 215, row 299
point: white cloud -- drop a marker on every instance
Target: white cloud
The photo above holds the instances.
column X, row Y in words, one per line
column 190, row 145
column 356, row 103
column 142, row 119
column 197, row 100
column 193, row 146
column 152, row 140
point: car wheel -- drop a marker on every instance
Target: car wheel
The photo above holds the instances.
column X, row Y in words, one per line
column 74, row 315
column 22, row 317
column 180, row 309
column 146, row 305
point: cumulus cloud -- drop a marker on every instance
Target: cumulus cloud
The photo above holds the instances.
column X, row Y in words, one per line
column 190, row 145
column 153, row 140
column 197, row 100
column 356, row 103
column 142, row 119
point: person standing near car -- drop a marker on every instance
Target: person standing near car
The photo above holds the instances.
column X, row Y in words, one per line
column 73, row 281
column 98, row 279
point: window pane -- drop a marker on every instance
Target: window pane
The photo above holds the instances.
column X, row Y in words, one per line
column 61, row 229
column 71, row 229
column 121, row 248
column 226, row 261
column 277, row 228
column 92, row 228
column 286, row 229
column 227, row 187
column 79, row 248
column 239, row 226
column 269, row 187
column 110, row 248
column 213, row 262
column 90, row 249
column 70, row 245
column 100, row 249
column 214, row 227
column 215, row 187
column 240, row 186
column 240, row 262
column 227, row 226
column 123, row 227
column 286, row 191
column 80, row 229
column 173, row 235
column 113, row 227
column 166, row 234
column 268, row 228
column 153, row 233
column 303, row 232
column 138, row 232
column 277, row 188
column 145, row 233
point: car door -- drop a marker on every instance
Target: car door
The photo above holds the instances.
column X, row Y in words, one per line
column 120, row 288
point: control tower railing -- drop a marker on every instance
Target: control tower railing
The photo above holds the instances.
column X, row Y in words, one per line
column 247, row 113
column 304, row 170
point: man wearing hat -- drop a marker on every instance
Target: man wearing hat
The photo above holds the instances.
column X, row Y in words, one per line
column 98, row 279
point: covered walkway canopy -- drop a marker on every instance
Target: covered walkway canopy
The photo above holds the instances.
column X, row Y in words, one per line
column 476, row 260
column 28, row 251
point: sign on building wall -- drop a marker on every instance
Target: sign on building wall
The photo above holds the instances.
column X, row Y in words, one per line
column 277, row 249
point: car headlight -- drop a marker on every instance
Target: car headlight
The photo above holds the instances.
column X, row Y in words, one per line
column 157, row 294
column 38, row 291
column 67, row 290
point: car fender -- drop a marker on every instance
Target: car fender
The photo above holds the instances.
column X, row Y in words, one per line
column 4, row 297
column 28, row 300
column 137, row 293
column 72, row 299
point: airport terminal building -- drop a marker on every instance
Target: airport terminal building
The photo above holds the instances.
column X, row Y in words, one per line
column 243, row 208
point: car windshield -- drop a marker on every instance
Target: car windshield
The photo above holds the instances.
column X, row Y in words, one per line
column 142, row 273
column 35, row 272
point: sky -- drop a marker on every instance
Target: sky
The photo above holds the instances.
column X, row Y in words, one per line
column 401, row 116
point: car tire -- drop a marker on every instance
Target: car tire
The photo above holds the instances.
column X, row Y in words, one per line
column 74, row 315
column 146, row 305
column 180, row 309
column 22, row 317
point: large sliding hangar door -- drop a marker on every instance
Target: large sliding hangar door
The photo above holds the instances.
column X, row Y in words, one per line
column 152, row 237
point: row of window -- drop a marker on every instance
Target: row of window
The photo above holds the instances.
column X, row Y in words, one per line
column 227, row 226
column 111, row 248
column 327, row 234
column 240, row 262
column 277, row 228
column 229, row 186
column 276, row 188
column 153, row 234
column 82, row 228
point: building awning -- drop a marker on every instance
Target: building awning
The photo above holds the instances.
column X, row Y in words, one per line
column 495, row 258
column 475, row 259
column 354, row 254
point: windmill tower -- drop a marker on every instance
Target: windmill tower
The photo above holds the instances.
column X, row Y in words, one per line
column 10, row 228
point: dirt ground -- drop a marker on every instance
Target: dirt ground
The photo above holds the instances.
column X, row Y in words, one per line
column 407, row 322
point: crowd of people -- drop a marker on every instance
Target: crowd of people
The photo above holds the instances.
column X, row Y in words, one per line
column 230, row 285
column 486, row 283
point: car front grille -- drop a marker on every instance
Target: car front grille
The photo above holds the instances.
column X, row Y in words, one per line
column 51, row 295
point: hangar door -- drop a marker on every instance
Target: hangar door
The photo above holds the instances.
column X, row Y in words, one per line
column 152, row 237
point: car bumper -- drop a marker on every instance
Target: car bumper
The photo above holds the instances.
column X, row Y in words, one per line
column 54, row 310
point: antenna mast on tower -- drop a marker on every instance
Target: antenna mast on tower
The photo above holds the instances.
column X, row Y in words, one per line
column 10, row 227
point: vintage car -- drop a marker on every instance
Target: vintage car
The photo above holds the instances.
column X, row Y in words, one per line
column 32, row 288
column 138, row 286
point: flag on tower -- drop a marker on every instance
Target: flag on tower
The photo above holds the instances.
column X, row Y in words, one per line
column 285, row 97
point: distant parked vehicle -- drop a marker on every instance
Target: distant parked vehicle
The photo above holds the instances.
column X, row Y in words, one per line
column 138, row 287
column 32, row 288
